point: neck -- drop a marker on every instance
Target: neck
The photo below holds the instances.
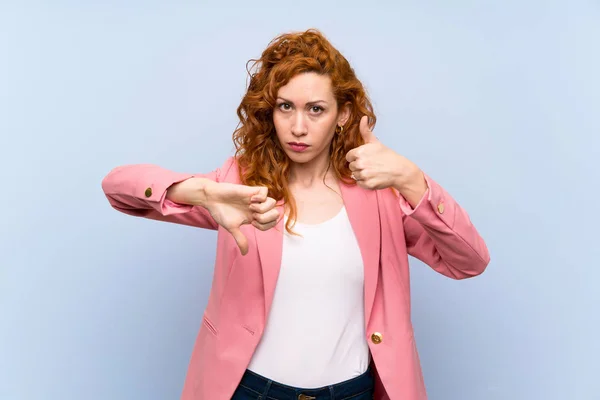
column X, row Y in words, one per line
column 311, row 173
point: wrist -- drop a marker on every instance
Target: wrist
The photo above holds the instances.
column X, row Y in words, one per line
column 412, row 188
column 203, row 189
column 192, row 191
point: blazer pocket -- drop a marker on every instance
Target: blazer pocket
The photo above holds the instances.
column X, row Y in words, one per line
column 209, row 325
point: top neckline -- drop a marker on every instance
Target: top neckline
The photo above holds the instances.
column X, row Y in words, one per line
column 341, row 211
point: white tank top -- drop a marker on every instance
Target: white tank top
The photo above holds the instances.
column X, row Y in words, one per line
column 315, row 333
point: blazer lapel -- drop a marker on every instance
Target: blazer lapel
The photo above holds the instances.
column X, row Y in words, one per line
column 363, row 212
column 270, row 244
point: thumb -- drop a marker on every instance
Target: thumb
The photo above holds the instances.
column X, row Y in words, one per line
column 260, row 194
column 240, row 239
column 365, row 131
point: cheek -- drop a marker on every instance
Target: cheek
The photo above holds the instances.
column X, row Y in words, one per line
column 325, row 131
column 279, row 125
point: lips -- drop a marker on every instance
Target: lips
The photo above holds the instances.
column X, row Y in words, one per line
column 298, row 146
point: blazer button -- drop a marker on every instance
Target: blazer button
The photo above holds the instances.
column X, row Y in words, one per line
column 148, row 192
column 440, row 208
column 376, row 338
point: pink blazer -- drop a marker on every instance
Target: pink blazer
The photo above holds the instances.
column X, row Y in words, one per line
column 437, row 231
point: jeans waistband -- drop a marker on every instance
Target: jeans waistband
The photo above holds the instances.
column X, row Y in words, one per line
column 261, row 385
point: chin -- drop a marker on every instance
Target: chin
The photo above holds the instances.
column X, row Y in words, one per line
column 299, row 158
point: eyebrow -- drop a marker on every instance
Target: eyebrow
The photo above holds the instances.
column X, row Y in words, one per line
column 310, row 103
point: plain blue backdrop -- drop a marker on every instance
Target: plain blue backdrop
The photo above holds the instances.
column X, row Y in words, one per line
column 497, row 101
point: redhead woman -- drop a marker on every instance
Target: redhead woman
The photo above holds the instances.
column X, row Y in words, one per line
column 315, row 220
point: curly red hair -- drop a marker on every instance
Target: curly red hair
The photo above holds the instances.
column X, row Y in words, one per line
column 261, row 160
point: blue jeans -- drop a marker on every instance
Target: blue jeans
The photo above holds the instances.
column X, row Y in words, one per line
column 256, row 387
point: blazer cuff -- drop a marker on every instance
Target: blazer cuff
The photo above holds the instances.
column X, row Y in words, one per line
column 154, row 190
column 432, row 207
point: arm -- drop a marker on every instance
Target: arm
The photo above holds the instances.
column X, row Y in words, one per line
column 439, row 233
column 152, row 192
column 436, row 229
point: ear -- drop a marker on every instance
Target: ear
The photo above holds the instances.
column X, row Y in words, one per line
column 344, row 114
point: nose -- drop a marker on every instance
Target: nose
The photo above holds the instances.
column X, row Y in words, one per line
column 299, row 126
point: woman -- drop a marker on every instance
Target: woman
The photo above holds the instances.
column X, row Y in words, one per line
column 316, row 219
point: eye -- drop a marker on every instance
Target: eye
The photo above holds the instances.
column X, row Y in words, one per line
column 317, row 109
column 284, row 106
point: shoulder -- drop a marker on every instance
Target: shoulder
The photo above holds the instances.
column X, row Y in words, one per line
column 228, row 171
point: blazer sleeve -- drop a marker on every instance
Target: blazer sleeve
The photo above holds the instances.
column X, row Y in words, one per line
column 140, row 190
column 440, row 233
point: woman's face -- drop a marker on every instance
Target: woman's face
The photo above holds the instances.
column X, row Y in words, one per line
column 305, row 117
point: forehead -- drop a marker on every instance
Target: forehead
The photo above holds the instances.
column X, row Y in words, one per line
column 307, row 87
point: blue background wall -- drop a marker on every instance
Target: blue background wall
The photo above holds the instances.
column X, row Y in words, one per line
column 498, row 101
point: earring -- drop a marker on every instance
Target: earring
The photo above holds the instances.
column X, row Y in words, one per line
column 340, row 131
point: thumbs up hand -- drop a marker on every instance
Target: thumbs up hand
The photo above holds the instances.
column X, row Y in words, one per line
column 375, row 166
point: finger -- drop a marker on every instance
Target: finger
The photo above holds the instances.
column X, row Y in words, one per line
column 366, row 184
column 264, row 206
column 356, row 166
column 264, row 227
column 365, row 131
column 362, row 175
column 363, row 184
column 240, row 239
column 260, row 195
column 268, row 217
column 369, row 183
column 352, row 155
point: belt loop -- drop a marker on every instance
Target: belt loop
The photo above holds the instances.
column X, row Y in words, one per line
column 267, row 388
column 331, row 392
